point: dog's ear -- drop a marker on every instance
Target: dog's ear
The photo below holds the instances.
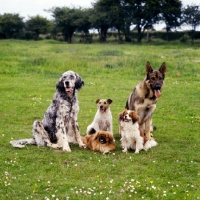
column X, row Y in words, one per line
column 109, row 101
column 79, row 82
column 163, row 69
column 97, row 101
column 111, row 139
column 60, row 86
column 97, row 135
column 120, row 116
column 148, row 68
column 134, row 116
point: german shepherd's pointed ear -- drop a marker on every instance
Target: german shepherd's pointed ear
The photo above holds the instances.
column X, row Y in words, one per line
column 163, row 69
column 148, row 68
column 79, row 82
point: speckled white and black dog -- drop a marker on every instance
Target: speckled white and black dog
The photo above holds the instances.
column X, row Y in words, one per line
column 59, row 126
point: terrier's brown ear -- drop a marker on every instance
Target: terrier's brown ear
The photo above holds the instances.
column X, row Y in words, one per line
column 97, row 101
column 109, row 101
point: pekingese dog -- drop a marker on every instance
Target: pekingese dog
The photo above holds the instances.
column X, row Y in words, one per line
column 102, row 141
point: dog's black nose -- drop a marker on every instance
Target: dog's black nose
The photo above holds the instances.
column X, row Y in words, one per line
column 157, row 87
column 101, row 106
column 67, row 83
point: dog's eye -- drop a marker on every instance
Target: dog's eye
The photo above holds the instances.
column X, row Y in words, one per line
column 105, row 103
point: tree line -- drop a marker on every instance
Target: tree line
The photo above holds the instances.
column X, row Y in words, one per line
column 104, row 15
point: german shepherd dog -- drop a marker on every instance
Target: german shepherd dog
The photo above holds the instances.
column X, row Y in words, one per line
column 145, row 95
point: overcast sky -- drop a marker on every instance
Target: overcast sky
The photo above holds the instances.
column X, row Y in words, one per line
column 36, row 7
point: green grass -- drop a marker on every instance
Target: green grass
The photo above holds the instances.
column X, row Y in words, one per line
column 29, row 71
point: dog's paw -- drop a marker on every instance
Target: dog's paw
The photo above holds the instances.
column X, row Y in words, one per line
column 67, row 149
column 82, row 146
column 137, row 152
column 55, row 146
column 105, row 152
column 124, row 150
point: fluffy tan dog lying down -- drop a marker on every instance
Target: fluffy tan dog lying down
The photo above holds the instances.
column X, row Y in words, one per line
column 102, row 141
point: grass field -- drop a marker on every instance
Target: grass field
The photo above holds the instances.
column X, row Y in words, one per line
column 29, row 71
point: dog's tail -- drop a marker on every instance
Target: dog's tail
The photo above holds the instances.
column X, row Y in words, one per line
column 23, row 142
column 150, row 143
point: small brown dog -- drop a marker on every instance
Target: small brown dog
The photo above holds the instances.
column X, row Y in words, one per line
column 102, row 141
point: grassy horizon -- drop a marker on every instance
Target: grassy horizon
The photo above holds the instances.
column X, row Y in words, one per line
column 29, row 71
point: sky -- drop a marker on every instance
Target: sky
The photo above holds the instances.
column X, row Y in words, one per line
column 26, row 8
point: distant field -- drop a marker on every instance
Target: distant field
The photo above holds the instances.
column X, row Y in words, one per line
column 29, row 71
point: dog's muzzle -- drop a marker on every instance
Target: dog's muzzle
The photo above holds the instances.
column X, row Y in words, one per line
column 126, row 119
column 102, row 140
column 102, row 109
column 67, row 87
column 157, row 90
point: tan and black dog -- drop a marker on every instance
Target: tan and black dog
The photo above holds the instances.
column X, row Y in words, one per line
column 145, row 95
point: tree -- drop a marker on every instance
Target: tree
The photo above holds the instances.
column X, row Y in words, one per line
column 171, row 13
column 118, row 16
column 39, row 25
column 144, row 13
column 67, row 20
column 84, row 23
column 11, row 24
column 101, row 18
column 191, row 16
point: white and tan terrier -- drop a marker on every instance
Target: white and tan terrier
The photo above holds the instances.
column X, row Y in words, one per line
column 103, row 118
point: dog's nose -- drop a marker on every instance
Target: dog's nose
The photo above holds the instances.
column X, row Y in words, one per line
column 67, row 83
column 101, row 106
column 157, row 87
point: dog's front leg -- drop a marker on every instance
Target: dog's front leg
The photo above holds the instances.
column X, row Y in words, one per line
column 77, row 134
column 62, row 135
column 148, row 127
column 109, row 126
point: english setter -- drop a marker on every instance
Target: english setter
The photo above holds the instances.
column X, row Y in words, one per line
column 59, row 126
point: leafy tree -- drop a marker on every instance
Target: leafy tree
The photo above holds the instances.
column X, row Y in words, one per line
column 67, row 20
column 11, row 24
column 39, row 25
column 118, row 16
column 101, row 18
column 84, row 23
column 171, row 13
column 144, row 14
column 191, row 16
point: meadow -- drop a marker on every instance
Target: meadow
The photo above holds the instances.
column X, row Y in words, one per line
column 29, row 71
